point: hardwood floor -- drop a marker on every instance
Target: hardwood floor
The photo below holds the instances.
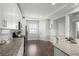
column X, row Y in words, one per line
column 39, row 48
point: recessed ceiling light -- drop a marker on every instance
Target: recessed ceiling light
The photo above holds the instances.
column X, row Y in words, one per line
column 76, row 3
column 53, row 3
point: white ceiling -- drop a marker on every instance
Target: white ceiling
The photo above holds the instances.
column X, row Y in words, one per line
column 42, row 10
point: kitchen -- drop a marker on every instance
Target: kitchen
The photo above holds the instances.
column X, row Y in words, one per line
column 21, row 23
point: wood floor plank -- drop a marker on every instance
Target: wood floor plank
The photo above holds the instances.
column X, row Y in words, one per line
column 39, row 48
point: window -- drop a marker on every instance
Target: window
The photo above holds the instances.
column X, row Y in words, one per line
column 33, row 28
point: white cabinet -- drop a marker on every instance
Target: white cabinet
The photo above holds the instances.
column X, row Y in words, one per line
column 57, row 52
column 21, row 50
column 11, row 14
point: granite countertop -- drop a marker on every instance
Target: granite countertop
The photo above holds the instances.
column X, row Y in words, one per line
column 68, row 48
column 10, row 49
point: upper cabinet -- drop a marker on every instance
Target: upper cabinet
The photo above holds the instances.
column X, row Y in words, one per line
column 10, row 15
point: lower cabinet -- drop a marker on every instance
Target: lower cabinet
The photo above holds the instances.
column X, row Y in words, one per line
column 58, row 52
column 21, row 50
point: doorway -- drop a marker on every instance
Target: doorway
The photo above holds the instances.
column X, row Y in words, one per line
column 33, row 29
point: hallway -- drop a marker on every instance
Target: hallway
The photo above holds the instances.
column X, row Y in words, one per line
column 39, row 48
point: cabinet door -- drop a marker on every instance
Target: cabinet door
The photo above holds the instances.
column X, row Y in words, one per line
column 57, row 52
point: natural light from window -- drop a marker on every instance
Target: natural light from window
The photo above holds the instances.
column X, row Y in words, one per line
column 32, row 28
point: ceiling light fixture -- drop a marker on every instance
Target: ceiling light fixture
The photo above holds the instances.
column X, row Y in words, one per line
column 76, row 3
column 53, row 3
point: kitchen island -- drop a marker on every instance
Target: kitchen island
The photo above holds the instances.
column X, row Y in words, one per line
column 65, row 48
column 14, row 48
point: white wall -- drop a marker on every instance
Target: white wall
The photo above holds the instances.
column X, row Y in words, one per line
column 72, row 28
column 0, row 15
column 47, row 29
column 52, row 31
column 11, row 13
column 57, row 29
column 44, row 28
column 60, row 27
column 67, row 26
